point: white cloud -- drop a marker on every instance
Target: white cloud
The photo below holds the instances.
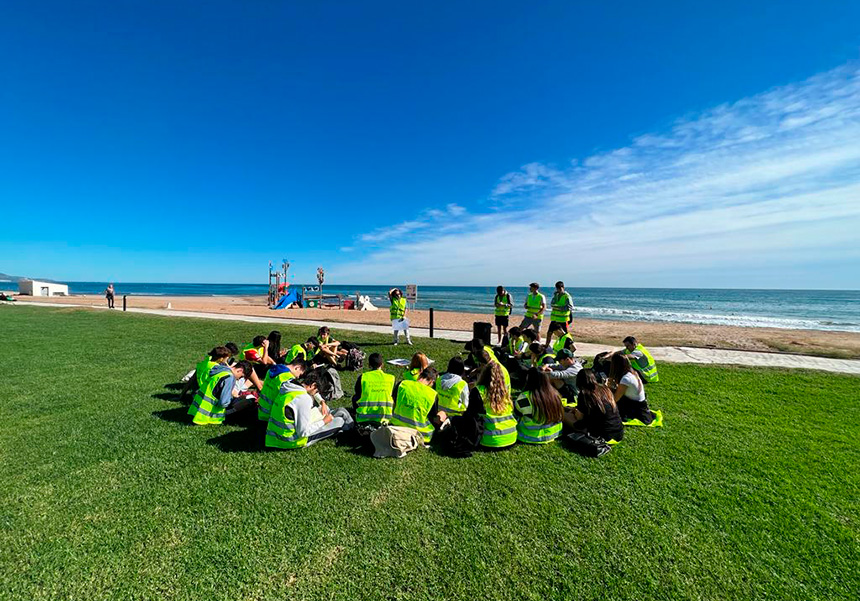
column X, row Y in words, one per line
column 769, row 180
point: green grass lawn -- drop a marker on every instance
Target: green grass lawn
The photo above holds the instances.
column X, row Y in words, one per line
column 751, row 491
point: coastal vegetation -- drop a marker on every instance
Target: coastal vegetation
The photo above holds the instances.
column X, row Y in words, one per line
column 750, row 491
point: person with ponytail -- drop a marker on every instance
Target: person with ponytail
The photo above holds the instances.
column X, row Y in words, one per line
column 540, row 410
column 596, row 413
column 490, row 401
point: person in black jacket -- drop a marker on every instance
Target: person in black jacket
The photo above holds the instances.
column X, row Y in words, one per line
column 596, row 412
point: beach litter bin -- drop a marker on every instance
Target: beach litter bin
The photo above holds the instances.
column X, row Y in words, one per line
column 313, row 304
column 482, row 330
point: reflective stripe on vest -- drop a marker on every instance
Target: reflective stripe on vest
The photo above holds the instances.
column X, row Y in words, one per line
column 528, row 430
column 500, row 429
column 281, row 432
column 270, row 389
column 204, row 408
column 533, row 302
column 449, row 399
column 397, row 310
column 649, row 370
column 375, row 403
column 560, row 311
column 504, row 310
column 414, row 402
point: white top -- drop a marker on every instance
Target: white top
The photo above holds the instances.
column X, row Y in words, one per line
column 635, row 390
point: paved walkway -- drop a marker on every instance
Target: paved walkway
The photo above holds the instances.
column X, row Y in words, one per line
column 671, row 354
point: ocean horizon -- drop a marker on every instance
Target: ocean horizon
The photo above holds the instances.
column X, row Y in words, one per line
column 829, row 310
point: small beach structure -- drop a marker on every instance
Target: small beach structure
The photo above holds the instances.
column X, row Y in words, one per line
column 36, row 288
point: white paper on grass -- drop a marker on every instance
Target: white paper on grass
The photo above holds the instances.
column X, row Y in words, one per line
column 406, row 362
column 400, row 325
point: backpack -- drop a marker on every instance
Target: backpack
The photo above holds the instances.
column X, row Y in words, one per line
column 461, row 438
column 586, row 444
column 331, row 389
column 354, row 359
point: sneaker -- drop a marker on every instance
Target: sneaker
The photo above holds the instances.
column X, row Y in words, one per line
column 395, row 344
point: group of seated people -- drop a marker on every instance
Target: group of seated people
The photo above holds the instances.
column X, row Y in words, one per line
column 522, row 391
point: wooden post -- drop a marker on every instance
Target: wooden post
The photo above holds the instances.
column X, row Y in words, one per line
column 431, row 322
column 124, row 297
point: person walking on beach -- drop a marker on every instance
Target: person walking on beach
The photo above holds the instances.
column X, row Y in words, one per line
column 535, row 305
column 397, row 312
column 109, row 295
column 503, row 304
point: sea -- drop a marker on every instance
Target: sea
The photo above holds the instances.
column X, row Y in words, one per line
column 836, row 310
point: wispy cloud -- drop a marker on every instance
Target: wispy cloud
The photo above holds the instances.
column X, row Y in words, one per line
column 768, row 180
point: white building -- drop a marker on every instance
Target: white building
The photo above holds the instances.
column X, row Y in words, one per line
column 34, row 288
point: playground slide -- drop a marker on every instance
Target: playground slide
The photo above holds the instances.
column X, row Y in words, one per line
column 289, row 299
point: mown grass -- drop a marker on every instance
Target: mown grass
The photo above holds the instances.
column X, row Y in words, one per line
column 749, row 492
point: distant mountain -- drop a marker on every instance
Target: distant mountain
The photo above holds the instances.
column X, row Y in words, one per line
column 16, row 278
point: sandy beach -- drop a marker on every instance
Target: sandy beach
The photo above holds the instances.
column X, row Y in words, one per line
column 844, row 345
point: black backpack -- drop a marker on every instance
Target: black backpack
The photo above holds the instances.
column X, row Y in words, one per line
column 586, row 444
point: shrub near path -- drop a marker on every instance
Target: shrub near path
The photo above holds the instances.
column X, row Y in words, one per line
column 749, row 492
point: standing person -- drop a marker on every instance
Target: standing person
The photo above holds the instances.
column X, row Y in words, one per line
column 416, row 405
column 372, row 401
column 397, row 312
column 540, row 410
column 490, row 402
column 641, row 360
column 535, row 306
column 292, row 424
column 629, row 390
column 503, row 304
column 596, row 413
column 562, row 306
column 109, row 295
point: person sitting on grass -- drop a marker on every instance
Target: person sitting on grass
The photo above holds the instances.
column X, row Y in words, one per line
column 485, row 357
column 540, row 410
column 490, row 402
column 562, row 375
column 629, row 390
column 515, row 344
column 273, row 349
column 596, row 413
column 295, row 422
column 373, row 402
column 452, row 389
column 277, row 375
column 217, row 397
column 194, row 379
column 559, row 338
column 305, row 351
column 540, row 355
column 329, row 348
column 416, row 405
column 419, row 363
column 641, row 360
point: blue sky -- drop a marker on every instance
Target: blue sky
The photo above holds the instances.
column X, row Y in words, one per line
column 606, row 144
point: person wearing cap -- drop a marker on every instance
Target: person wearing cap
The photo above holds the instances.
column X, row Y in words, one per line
column 535, row 306
column 563, row 374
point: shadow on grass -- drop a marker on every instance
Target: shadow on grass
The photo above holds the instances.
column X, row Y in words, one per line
column 240, row 441
column 175, row 386
column 177, row 415
column 168, row 396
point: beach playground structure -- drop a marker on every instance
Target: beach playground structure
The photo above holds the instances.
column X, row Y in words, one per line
column 282, row 296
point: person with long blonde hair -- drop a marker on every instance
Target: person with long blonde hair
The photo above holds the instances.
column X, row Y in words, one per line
column 490, row 401
column 419, row 363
